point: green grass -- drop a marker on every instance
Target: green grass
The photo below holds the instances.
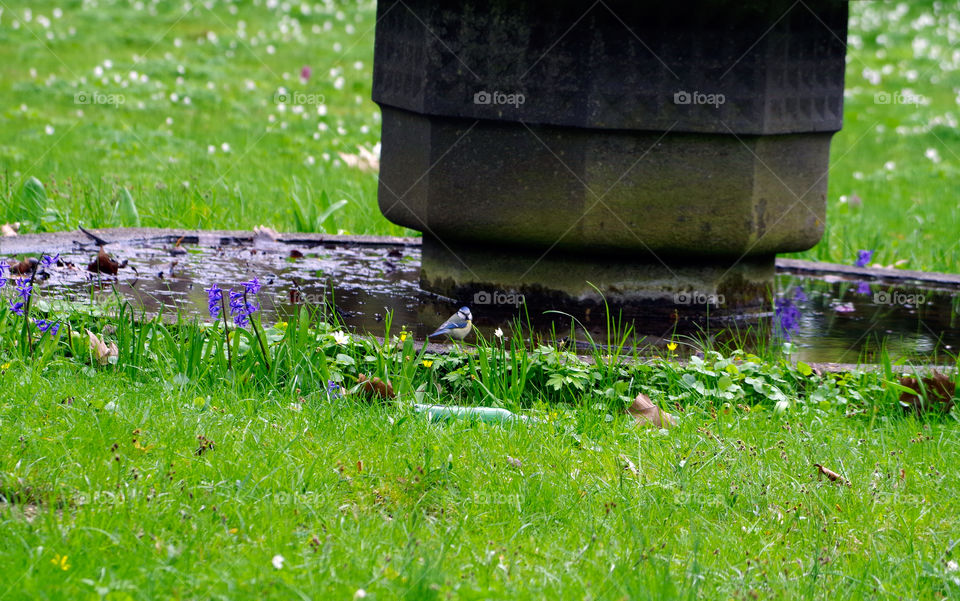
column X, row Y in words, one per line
column 352, row 496
column 283, row 169
column 177, row 470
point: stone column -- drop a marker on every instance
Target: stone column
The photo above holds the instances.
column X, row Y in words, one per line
column 658, row 151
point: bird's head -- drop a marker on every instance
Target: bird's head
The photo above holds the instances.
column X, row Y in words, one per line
column 465, row 313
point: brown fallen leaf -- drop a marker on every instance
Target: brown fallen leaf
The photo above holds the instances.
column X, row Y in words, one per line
column 104, row 263
column 296, row 254
column 644, row 411
column 9, row 229
column 101, row 351
column 934, row 394
column 832, row 475
column 375, row 388
column 24, row 267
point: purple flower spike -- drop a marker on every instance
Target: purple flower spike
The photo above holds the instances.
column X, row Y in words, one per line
column 47, row 261
column 863, row 288
column 24, row 289
column 252, row 287
column 788, row 317
column 863, row 258
column 46, row 326
column 214, row 297
column 240, row 309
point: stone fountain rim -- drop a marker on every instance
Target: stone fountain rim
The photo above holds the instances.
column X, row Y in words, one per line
column 64, row 241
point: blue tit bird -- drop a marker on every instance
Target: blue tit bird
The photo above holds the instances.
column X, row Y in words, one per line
column 458, row 326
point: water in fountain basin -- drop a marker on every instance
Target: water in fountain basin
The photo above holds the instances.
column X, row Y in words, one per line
column 839, row 320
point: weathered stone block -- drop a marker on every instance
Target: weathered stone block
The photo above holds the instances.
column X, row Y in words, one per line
column 652, row 140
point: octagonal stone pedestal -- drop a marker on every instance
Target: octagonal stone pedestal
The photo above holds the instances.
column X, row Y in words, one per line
column 659, row 153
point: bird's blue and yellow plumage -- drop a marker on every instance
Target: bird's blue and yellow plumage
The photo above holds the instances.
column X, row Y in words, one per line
column 458, row 326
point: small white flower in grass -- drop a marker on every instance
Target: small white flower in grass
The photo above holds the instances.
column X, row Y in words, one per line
column 225, row 147
column 932, row 154
column 186, row 100
column 49, row 130
column 211, row 149
column 889, row 165
column 498, row 333
column 341, row 337
column 360, row 594
column 108, row 64
column 277, row 562
column 169, row 120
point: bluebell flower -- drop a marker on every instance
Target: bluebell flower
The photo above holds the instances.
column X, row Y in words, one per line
column 24, row 289
column 863, row 258
column 252, row 287
column 863, row 288
column 241, row 309
column 46, row 326
column 16, row 307
column 333, row 390
column 47, row 261
column 788, row 317
column 3, row 274
column 214, row 298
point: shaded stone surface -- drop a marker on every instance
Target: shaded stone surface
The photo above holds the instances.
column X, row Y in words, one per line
column 688, row 134
column 618, row 64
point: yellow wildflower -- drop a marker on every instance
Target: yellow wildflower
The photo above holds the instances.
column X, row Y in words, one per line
column 671, row 346
column 61, row 562
column 427, row 363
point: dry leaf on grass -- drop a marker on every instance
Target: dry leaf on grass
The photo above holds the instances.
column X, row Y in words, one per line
column 9, row 229
column 101, row 351
column 644, row 411
column 375, row 388
column 930, row 394
column 832, row 475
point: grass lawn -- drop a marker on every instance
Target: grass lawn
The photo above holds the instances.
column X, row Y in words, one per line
column 203, row 115
column 183, row 464
column 352, row 496
column 173, row 468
